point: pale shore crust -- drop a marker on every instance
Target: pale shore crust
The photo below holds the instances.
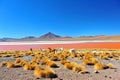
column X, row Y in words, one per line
column 52, row 42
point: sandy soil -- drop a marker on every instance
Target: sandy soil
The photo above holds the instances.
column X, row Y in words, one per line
column 63, row 74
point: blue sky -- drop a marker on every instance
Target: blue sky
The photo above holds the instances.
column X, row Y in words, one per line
column 19, row 18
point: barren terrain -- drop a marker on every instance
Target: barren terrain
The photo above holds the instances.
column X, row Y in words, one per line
column 19, row 73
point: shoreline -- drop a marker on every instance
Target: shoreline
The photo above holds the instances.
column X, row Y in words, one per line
column 56, row 42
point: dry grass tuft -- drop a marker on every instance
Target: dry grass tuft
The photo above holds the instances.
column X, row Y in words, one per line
column 26, row 67
column 110, row 65
column 18, row 60
column 16, row 65
column 64, row 61
column 3, row 63
column 38, row 72
column 23, row 62
column 88, row 55
column 68, row 66
column 78, row 68
column 52, row 64
column 99, row 66
column 90, row 61
column 10, row 64
column 47, row 73
column 50, row 73
column 73, row 64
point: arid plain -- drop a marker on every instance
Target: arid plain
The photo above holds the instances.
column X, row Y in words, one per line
column 60, row 60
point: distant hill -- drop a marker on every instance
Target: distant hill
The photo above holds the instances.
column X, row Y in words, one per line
column 7, row 39
column 49, row 35
column 67, row 37
column 29, row 37
column 99, row 37
column 52, row 37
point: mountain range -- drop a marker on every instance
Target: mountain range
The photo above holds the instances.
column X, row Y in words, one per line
column 53, row 37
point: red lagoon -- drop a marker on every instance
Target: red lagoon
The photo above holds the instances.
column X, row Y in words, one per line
column 108, row 45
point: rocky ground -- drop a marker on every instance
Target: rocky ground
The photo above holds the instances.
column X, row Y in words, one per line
column 62, row 73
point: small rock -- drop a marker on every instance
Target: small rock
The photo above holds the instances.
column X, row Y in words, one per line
column 110, row 77
column 60, row 79
column 96, row 71
column 83, row 72
column 37, row 78
column 105, row 75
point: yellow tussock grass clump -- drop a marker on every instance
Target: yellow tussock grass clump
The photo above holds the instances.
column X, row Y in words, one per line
column 99, row 66
column 17, row 65
column 44, row 60
column 54, row 58
column 93, row 61
column 49, row 73
column 33, row 65
column 3, row 63
column 110, row 65
column 76, row 69
column 82, row 68
column 90, row 61
column 26, row 67
column 68, row 66
column 86, row 62
column 79, row 68
column 23, row 62
column 30, row 66
column 88, row 55
column 105, row 57
column 10, row 64
column 73, row 55
column 73, row 64
column 38, row 72
column 52, row 64
column 18, row 60
column 64, row 61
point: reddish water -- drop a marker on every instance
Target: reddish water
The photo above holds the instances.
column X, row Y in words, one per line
column 109, row 45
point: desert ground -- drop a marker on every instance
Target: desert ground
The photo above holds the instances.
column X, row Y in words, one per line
column 96, row 60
